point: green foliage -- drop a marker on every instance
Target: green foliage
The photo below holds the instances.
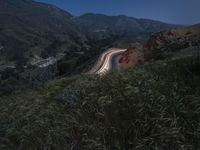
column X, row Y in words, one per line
column 168, row 50
column 177, row 46
column 158, row 54
column 156, row 106
column 64, row 67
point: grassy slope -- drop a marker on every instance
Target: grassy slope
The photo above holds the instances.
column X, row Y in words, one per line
column 154, row 106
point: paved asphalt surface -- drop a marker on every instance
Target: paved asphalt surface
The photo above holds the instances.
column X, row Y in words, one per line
column 104, row 63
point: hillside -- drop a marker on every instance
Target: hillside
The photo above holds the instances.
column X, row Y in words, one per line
column 31, row 30
column 122, row 24
column 155, row 106
column 169, row 44
column 99, row 26
column 28, row 28
column 47, row 104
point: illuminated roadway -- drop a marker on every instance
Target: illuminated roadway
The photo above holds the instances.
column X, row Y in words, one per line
column 104, row 63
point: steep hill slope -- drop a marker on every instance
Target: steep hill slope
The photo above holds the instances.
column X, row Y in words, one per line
column 175, row 43
column 170, row 44
column 27, row 26
column 156, row 106
column 31, row 29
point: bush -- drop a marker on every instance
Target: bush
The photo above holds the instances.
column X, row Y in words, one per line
column 177, row 46
column 151, row 107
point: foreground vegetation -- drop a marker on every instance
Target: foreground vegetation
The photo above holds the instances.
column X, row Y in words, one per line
column 155, row 106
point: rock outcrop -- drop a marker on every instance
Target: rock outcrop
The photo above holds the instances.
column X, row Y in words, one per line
column 133, row 55
column 173, row 43
column 188, row 35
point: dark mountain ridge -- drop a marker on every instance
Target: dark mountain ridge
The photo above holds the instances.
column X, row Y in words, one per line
column 32, row 29
column 122, row 21
column 99, row 25
column 29, row 25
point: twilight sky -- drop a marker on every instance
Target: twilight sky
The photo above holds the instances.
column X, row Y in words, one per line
column 170, row 11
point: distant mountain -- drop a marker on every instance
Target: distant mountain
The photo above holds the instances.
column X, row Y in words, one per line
column 27, row 26
column 122, row 26
column 30, row 29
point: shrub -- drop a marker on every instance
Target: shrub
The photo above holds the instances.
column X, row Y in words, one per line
column 155, row 106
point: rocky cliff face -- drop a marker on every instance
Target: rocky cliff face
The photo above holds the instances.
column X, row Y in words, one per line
column 134, row 55
column 173, row 43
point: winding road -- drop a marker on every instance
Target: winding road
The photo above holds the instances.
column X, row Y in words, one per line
column 104, row 63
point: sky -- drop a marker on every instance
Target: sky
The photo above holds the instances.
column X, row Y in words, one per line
column 185, row 12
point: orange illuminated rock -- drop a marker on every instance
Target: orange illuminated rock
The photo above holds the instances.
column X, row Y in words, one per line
column 133, row 55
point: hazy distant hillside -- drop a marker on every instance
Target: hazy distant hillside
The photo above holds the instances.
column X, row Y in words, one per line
column 121, row 26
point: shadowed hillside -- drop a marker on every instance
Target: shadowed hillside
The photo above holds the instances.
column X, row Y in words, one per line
column 30, row 29
column 155, row 106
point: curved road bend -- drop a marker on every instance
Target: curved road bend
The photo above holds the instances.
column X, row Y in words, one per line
column 104, row 63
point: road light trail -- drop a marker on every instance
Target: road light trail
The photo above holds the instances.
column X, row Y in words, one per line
column 104, row 63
